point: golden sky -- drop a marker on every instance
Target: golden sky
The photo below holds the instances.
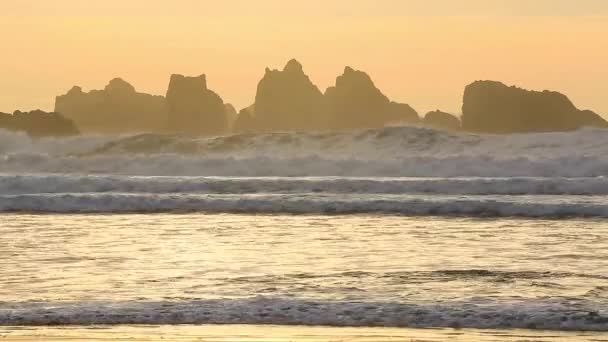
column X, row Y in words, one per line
column 421, row 52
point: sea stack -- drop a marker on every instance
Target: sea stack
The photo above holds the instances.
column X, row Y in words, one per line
column 288, row 100
column 193, row 108
column 442, row 120
column 38, row 123
column 118, row 108
column 493, row 107
column 355, row 102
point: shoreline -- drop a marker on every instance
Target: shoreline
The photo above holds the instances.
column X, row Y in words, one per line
column 258, row 333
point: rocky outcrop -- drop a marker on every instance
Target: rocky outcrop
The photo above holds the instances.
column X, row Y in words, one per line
column 493, row 107
column 288, row 100
column 193, row 108
column 355, row 102
column 118, row 108
column 38, row 123
column 442, row 120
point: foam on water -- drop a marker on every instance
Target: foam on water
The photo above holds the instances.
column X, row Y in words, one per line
column 397, row 171
column 414, row 205
column 523, row 314
column 53, row 183
column 394, row 170
column 365, row 270
column 392, row 151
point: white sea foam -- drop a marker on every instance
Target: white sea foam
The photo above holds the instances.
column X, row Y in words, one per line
column 392, row 152
column 56, row 183
column 550, row 314
column 395, row 170
column 449, row 205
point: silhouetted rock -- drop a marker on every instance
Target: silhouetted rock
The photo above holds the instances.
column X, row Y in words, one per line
column 442, row 120
column 119, row 108
column 401, row 113
column 493, row 107
column 193, row 108
column 38, row 123
column 355, row 102
column 288, row 100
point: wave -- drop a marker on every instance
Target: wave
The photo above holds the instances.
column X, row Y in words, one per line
column 410, row 205
column 51, row 183
column 420, row 277
column 390, row 152
column 547, row 314
column 179, row 165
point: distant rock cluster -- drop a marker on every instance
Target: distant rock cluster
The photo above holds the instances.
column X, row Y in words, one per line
column 118, row 108
column 38, row 123
column 287, row 100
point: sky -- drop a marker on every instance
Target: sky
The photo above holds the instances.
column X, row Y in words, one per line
column 418, row 52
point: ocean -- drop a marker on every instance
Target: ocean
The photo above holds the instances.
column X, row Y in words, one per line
column 397, row 228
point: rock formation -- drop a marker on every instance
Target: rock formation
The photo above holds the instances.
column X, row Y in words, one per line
column 118, row 108
column 493, row 107
column 442, row 120
column 355, row 102
column 193, row 108
column 288, row 100
column 38, row 123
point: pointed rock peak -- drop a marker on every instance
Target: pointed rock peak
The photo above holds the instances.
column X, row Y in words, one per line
column 118, row 85
column 352, row 76
column 293, row 66
column 75, row 90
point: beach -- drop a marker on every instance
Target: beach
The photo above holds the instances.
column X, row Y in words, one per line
column 257, row 333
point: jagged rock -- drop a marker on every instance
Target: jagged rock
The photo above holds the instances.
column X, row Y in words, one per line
column 118, row 108
column 193, row 108
column 38, row 123
column 288, row 100
column 355, row 102
column 493, row 107
column 442, row 120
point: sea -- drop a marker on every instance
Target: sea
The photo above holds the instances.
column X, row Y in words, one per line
column 401, row 228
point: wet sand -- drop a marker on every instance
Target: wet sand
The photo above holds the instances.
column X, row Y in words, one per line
column 256, row 333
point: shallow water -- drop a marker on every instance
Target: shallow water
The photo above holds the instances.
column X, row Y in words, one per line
column 309, row 270
column 390, row 227
column 253, row 333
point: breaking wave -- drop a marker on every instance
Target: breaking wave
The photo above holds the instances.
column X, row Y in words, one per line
column 393, row 170
column 390, row 152
column 411, row 205
column 549, row 314
column 54, row 183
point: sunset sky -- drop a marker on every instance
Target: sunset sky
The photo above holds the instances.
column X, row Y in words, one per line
column 418, row 52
